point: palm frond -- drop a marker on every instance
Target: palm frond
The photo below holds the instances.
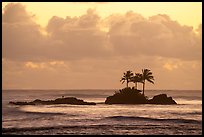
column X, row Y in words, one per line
column 147, row 75
column 151, row 81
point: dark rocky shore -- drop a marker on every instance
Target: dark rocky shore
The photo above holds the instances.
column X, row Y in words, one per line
column 133, row 96
column 67, row 100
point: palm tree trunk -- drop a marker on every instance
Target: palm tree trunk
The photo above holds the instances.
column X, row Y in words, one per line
column 136, row 85
column 143, row 86
column 127, row 83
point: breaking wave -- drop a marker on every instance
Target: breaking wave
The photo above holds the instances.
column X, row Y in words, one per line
column 154, row 119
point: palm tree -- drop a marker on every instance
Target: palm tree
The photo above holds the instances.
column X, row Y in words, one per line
column 147, row 75
column 127, row 77
column 137, row 78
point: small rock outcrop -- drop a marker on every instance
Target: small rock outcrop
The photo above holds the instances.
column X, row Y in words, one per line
column 162, row 99
column 68, row 100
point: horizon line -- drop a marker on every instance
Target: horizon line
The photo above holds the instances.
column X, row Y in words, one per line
column 93, row 89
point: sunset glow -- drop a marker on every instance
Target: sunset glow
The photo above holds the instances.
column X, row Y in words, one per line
column 75, row 45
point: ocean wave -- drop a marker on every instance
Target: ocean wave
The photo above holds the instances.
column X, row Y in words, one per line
column 189, row 97
column 154, row 119
column 45, row 113
column 102, row 129
column 9, row 130
column 195, row 113
column 22, row 110
column 19, row 111
column 5, row 130
column 186, row 113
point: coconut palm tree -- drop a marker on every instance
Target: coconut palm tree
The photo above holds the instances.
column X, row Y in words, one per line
column 127, row 77
column 147, row 75
column 136, row 78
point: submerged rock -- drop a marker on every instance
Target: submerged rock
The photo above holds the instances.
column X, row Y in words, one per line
column 68, row 100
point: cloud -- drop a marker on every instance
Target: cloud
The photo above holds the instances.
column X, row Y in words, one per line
column 67, row 39
column 33, row 66
column 51, row 65
column 156, row 36
column 171, row 66
column 76, row 38
column 16, row 13
column 21, row 36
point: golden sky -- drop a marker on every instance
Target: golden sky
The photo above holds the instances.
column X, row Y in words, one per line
column 77, row 45
column 186, row 13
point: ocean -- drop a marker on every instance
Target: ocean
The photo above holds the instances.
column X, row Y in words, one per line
column 185, row 118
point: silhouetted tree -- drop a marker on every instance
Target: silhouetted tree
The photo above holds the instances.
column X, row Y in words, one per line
column 147, row 75
column 136, row 78
column 127, row 77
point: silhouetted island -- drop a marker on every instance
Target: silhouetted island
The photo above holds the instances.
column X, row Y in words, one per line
column 67, row 100
column 133, row 96
column 124, row 96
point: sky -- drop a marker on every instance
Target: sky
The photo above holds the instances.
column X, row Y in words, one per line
column 89, row 45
